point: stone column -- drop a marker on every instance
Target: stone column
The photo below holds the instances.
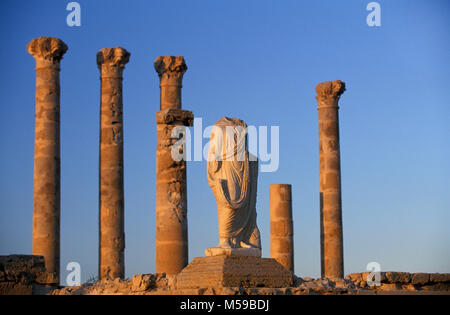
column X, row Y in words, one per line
column 171, row 195
column 281, row 229
column 111, row 62
column 48, row 52
column 332, row 256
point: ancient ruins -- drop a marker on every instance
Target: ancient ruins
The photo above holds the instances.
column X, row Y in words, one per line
column 111, row 63
column 235, row 265
column 171, row 194
column 233, row 178
column 331, row 240
column 48, row 53
column 281, row 225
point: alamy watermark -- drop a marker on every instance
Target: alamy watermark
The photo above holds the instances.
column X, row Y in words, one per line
column 74, row 17
column 374, row 17
column 74, row 276
column 227, row 147
column 374, row 277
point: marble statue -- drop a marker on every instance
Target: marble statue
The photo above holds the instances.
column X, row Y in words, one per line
column 233, row 175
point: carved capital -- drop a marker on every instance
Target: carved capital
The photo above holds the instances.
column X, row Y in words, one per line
column 170, row 69
column 112, row 61
column 328, row 93
column 47, row 51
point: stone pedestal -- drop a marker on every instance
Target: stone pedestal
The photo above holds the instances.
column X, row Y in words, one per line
column 48, row 52
column 281, row 225
column 233, row 271
column 111, row 62
column 171, row 194
column 332, row 256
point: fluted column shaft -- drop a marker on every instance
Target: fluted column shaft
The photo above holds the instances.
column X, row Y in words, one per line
column 111, row 62
column 281, row 225
column 171, row 194
column 48, row 53
column 332, row 256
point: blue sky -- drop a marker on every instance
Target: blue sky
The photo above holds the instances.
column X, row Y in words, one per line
column 258, row 61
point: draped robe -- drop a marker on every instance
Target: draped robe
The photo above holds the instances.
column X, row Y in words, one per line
column 233, row 176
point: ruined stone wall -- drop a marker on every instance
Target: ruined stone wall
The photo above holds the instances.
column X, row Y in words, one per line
column 25, row 275
column 404, row 281
column 397, row 283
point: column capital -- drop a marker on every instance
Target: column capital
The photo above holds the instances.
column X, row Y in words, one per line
column 329, row 92
column 170, row 69
column 112, row 61
column 47, row 51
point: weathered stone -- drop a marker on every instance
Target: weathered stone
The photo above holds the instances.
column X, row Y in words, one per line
column 157, row 284
column 400, row 277
column 383, row 277
column 20, row 272
column 343, row 284
column 111, row 63
column 440, row 286
column 390, row 287
column 281, row 225
column 11, row 288
column 354, row 277
column 170, row 70
column 439, row 277
column 48, row 52
column 175, row 116
column 233, row 271
column 332, row 254
column 171, row 193
column 297, row 281
column 420, row 278
column 268, row 291
column 365, row 276
column 328, row 286
column 144, row 282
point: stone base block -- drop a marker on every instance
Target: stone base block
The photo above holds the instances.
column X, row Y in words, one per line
column 233, row 271
column 217, row 251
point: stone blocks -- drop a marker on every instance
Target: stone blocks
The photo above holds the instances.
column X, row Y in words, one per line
column 395, row 281
column 233, row 271
column 25, row 275
column 281, row 225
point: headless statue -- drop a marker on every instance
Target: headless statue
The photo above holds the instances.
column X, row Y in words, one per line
column 233, row 176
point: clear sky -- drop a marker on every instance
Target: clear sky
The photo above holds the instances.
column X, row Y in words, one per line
column 258, row 61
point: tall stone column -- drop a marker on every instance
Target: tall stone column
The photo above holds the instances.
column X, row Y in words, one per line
column 111, row 62
column 281, row 225
column 332, row 256
column 48, row 52
column 171, row 195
